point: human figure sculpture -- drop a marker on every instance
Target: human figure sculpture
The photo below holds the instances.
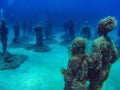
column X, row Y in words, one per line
column 104, row 54
column 86, row 32
column 3, row 35
column 75, row 76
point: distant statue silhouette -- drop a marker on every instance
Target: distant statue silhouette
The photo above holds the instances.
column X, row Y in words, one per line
column 3, row 34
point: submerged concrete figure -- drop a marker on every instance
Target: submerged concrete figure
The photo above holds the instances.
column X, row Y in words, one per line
column 49, row 39
column 26, row 38
column 66, row 31
column 70, row 33
column 86, row 32
column 66, row 28
column 29, row 26
column 7, row 60
column 75, row 76
column 3, row 35
column 48, row 30
column 24, row 28
column 71, row 29
column 39, row 37
column 39, row 46
column 17, row 40
column 104, row 54
column 16, row 28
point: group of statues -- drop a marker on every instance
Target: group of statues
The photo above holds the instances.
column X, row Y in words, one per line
column 81, row 68
column 69, row 35
column 95, row 67
column 10, row 60
column 69, row 32
column 4, row 31
column 17, row 39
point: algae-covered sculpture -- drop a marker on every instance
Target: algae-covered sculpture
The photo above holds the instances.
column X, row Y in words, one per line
column 39, row 46
column 106, row 25
column 104, row 54
column 75, row 75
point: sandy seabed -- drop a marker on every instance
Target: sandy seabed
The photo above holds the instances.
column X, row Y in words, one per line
column 41, row 71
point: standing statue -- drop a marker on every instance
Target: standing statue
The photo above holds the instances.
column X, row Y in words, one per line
column 71, row 29
column 24, row 28
column 16, row 28
column 3, row 35
column 86, row 32
column 48, row 30
column 75, row 76
column 39, row 37
column 104, row 54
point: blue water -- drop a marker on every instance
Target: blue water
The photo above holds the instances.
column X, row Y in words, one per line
column 57, row 12
column 60, row 10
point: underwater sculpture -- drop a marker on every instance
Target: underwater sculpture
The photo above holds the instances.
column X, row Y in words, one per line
column 66, row 31
column 24, row 28
column 39, row 37
column 86, row 32
column 48, row 30
column 71, row 29
column 7, row 60
column 104, row 54
column 48, row 34
column 30, row 28
column 75, row 76
column 18, row 41
column 26, row 38
column 3, row 35
column 16, row 28
column 39, row 46
column 70, row 33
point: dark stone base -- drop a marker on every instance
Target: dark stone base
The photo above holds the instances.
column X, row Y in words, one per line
column 50, row 41
column 35, row 48
column 10, row 61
